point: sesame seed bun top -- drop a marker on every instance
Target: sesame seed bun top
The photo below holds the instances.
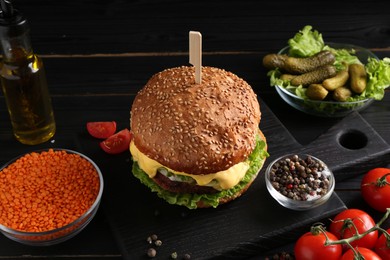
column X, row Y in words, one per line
column 196, row 128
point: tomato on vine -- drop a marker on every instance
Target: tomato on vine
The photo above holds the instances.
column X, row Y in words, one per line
column 375, row 188
column 365, row 252
column 382, row 246
column 311, row 246
column 351, row 222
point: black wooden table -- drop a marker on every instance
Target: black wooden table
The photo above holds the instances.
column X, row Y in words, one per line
column 97, row 56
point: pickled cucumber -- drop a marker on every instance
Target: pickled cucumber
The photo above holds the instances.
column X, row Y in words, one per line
column 337, row 81
column 316, row 92
column 341, row 94
column 316, row 76
column 288, row 77
column 358, row 78
column 273, row 61
column 303, row 65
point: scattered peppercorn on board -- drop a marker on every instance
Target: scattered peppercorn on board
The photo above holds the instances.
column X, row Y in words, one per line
column 251, row 224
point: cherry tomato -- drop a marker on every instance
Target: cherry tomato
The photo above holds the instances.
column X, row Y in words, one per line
column 375, row 188
column 311, row 246
column 117, row 143
column 101, row 130
column 342, row 227
column 382, row 247
column 365, row 252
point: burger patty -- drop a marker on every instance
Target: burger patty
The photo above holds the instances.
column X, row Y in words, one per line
column 181, row 187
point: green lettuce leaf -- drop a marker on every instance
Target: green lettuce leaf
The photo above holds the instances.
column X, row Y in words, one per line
column 378, row 72
column 256, row 160
column 306, row 43
column 343, row 57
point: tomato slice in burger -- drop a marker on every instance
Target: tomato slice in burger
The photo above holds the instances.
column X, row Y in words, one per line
column 117, row 143
column 101, row 130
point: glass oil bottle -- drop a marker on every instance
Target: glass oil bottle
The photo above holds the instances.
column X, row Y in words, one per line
column 23, row 80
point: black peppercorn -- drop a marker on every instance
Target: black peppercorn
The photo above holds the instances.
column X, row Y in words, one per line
column 300, row 178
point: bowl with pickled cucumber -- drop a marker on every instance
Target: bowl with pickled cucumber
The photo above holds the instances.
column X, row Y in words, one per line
column 327, row 79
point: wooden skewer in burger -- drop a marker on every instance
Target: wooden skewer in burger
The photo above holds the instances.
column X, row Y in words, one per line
column 196, row 137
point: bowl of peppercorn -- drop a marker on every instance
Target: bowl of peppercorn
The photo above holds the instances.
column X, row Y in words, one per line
column 299, row 181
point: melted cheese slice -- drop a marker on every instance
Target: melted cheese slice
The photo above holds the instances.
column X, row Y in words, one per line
column 224, row 179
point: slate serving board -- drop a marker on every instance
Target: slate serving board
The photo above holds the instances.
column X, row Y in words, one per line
column 251, row 224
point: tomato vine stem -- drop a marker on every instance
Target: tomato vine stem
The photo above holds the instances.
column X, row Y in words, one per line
column 380, row 182
column 347, row 241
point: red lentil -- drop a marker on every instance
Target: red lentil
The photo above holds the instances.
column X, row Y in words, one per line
column 47, row 190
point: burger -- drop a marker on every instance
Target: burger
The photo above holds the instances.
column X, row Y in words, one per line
column 196, row 145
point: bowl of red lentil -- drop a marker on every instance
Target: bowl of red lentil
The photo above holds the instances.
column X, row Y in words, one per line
column 299, row 181
column 48, row 196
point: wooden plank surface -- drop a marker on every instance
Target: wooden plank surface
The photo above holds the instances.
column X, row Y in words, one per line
column 100, row 107
column 89, row 27
column 94, row 50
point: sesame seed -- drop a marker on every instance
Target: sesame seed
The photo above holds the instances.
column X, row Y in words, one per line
column 191, row 118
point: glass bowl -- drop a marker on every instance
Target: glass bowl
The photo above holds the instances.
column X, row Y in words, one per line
column 89, row 182
column 322, row 108
column 327, row 108
column 299, row 181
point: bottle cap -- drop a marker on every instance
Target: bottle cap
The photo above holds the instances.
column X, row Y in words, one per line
column 12, row 22
column 10, row 16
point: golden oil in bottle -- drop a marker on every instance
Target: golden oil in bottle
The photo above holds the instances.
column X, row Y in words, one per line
column 25, row 89
column 23, row 81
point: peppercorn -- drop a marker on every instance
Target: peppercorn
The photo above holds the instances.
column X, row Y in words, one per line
column 300, row 178
column 174, row 255
column 152, row 252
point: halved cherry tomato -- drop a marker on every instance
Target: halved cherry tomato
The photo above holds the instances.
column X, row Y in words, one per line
column 342, row 227
column 382, row 246
column 101, row 130
column 375, row 188
column 117, row 143
column 365, row 252
column 312, row 247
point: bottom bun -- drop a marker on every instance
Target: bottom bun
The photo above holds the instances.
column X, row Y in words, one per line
column 195, row 200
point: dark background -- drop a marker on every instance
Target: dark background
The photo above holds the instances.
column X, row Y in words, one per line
column 98, row 54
